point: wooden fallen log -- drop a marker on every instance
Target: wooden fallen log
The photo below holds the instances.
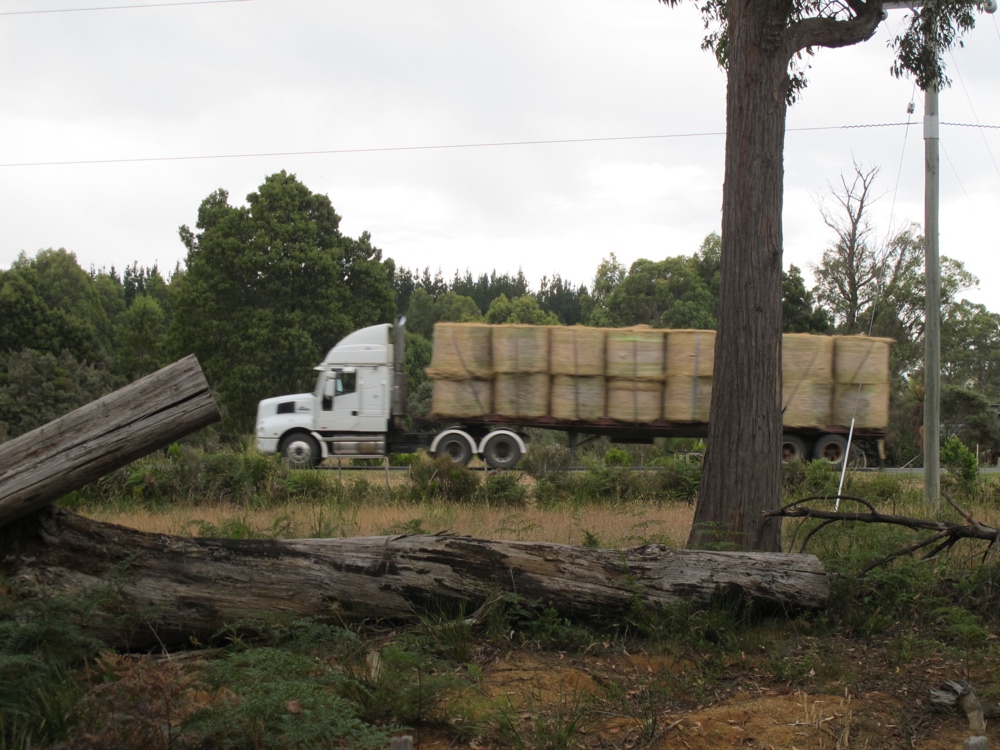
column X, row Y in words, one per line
column 182, row 588
column 42, row 465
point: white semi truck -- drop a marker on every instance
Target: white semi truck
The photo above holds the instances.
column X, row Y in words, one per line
column 358, row 410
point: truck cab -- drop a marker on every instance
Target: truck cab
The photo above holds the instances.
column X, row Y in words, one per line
column 349, row 413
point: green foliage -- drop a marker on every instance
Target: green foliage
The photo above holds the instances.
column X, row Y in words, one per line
column 268, row 288
column 533, row 624
column 552, row 724
column 673, row 479
column 49, row 304
column 799, row 311
column 504, row 489
column 617, row 457
column 442, row 479
column 960, row 462
column 523, row 310
column 41, row 647
column 37, row 387
column 281, row 699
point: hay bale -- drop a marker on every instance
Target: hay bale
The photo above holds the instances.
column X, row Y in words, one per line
column 461, row 351
column 866, row 403
column 576, row 350
column 687, row 398
column 860, row 359
column 520, row 348
column 521, row 395
column 805, row 356
column 690, row 353
column 577, row 397
column 461, row 398
column 634, row 400
column 807, row 403
column 635, row 353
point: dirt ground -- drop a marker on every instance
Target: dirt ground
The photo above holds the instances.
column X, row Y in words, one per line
column 883, row 709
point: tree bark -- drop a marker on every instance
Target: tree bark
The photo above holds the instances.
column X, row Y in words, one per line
column 742, row 472
column 67, row 453
column 152, row 589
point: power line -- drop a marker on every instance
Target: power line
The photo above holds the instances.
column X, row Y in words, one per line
column 117, row 7
column 441, row 147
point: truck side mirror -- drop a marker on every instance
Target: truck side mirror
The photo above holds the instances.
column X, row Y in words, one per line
column 328, row 387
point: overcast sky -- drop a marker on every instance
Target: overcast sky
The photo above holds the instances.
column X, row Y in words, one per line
column 382, row 105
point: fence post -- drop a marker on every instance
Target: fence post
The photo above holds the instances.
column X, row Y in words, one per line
column 406, row 743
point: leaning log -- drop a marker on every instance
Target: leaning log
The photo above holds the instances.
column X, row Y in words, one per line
column 42, row 465
column 182, row 588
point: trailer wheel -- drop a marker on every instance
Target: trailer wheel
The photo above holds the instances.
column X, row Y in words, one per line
column 501, row 451
column 455, row 447
column 301, row 451
column 793, row 448
column 832, row 448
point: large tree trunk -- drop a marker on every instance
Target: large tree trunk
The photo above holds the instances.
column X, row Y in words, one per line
column 153, row 589
column 67, row 453
column 742, row 473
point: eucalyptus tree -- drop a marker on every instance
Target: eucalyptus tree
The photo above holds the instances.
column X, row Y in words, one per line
column 763, row 44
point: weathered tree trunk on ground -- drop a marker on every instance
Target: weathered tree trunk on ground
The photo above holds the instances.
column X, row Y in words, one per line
column 67, row 453
column 172, row 589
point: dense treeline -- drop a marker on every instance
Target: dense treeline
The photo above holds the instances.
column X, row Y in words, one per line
column 268, row 287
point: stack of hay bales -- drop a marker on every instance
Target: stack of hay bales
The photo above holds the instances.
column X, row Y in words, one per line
column 520, row 367
column 689, row 363
column 806, row 379
column 641, row 375
column 462, row 370
column 635, row 373
column 861, row 381
column 576, row 362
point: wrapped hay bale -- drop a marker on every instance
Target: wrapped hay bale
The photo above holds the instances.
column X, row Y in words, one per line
column 866, row 403
column 521, row 395
column 577, row 397
column 520, row 348
column 461, row 398
column 807, row 403
column 634, row 400
column 635, row 353
column 687, row 399
column 461, row 351
column 860, row 359
column 690, row 353
column 805, row 356
column 576, row 350
column 807, row 380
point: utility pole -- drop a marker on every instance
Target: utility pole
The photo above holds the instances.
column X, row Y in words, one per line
column 932, row 281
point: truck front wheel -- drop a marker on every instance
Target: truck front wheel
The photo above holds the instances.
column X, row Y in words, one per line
column 501, row 451
column 301, row 451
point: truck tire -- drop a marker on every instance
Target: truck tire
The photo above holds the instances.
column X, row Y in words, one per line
column 793, row 448
column 455, row 447
column 301, row 451
column 501, row 451
column 833, row 448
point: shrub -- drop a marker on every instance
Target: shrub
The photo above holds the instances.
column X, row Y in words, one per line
column 441, row 478
column 504, row 489
column 960, row 462
column 280, row 700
